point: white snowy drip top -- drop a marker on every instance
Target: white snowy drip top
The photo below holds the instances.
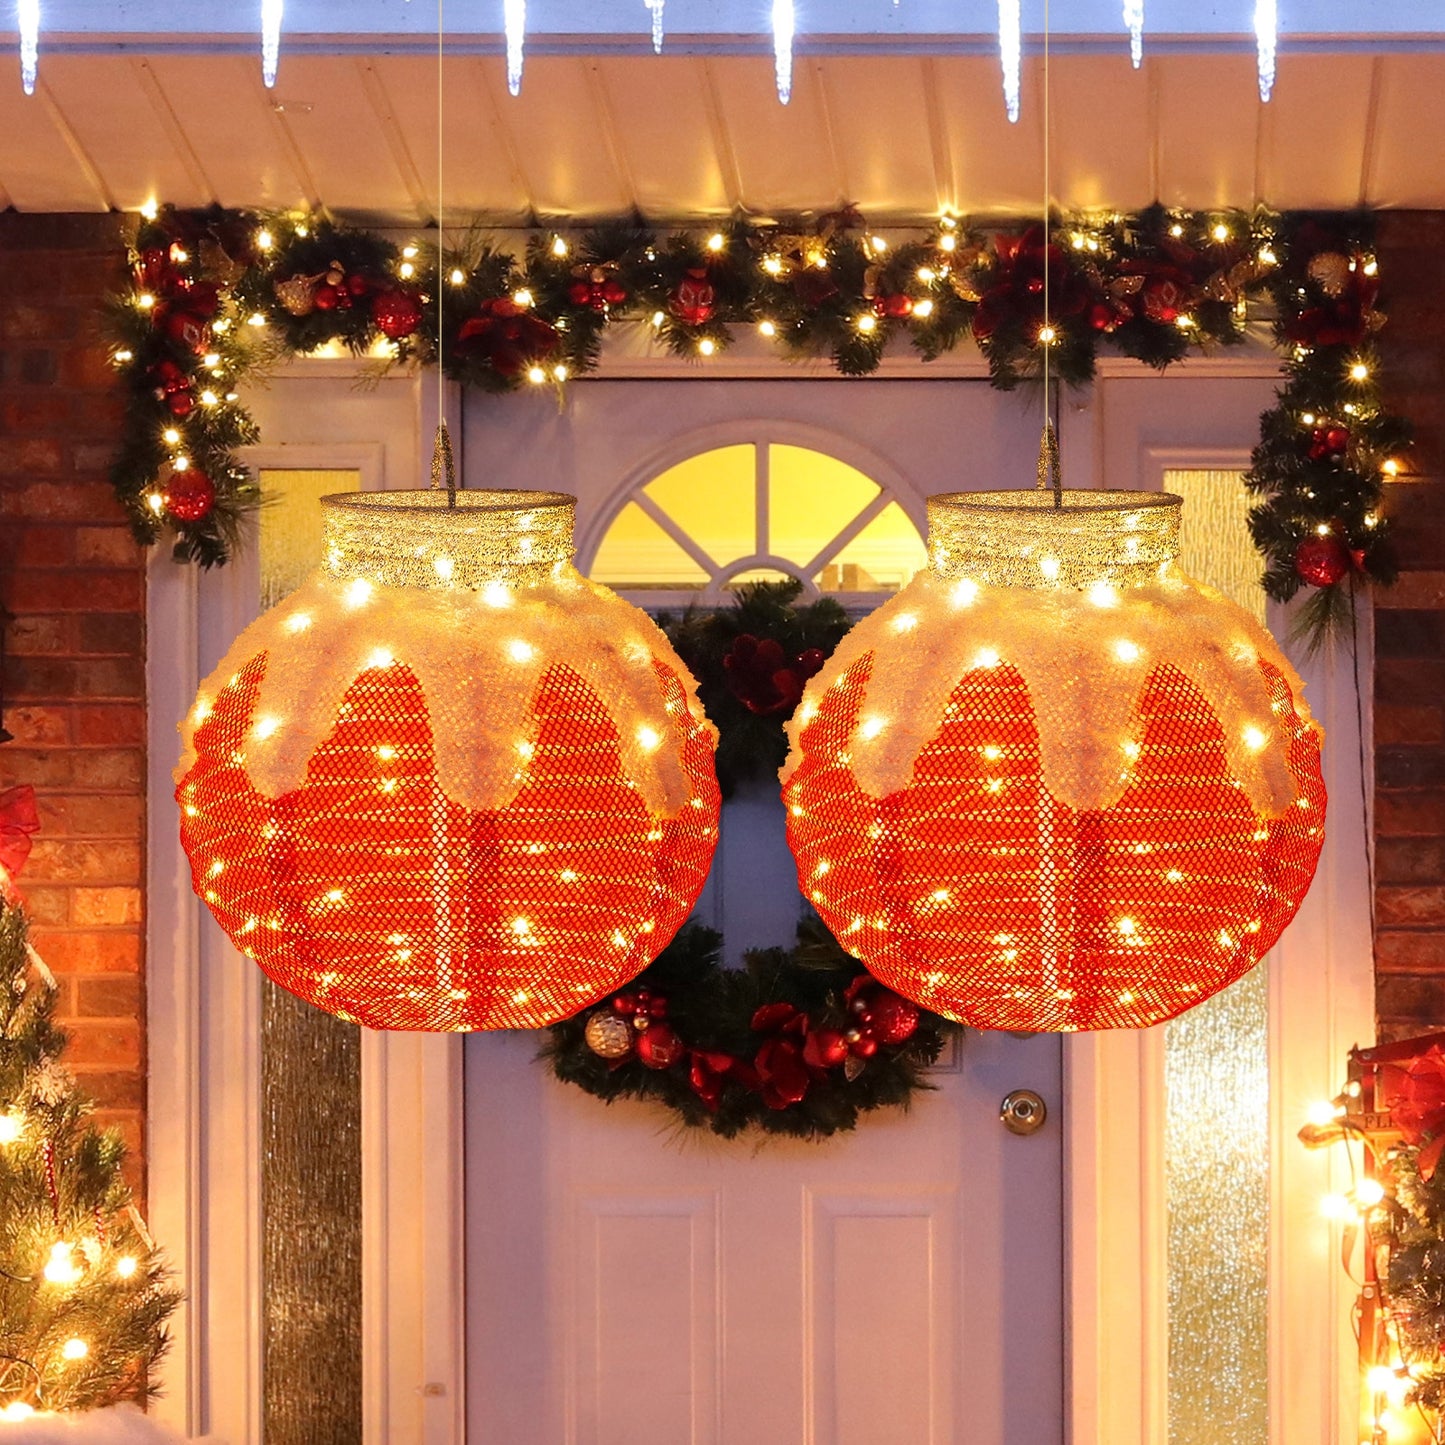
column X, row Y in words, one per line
column 1084, row 634
column 476, row 629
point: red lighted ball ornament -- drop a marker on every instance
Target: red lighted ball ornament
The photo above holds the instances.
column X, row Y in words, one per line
column 449, row 783
column 1054, row 783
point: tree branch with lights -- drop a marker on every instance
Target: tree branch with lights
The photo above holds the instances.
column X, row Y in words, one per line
column 84, row 1293
column 218, row 295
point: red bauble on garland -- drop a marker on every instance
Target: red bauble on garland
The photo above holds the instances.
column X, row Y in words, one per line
column 397, row 313
column 1322, row 561
column 660, row 1047
column 190, row 495
column 695, row 299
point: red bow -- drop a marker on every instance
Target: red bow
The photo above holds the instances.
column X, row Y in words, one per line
column 18, row 820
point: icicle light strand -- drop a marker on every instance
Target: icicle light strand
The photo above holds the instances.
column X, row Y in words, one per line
column 514, row 14
column 1134, row 19
column 1266, row 40
column 270, row 40
column 656, row 6
column 784, row 25
column 1010, row 47
column 28, row 16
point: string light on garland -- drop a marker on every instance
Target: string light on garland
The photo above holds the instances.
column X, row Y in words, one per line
column 1134, row 19
column 27, row 16
column 514, row 20
column 993, row 819
column 1156, row 285
column 449, row 784
column 784, row 29
column 1266, row 41
column 271, row 15
column 1010, row 51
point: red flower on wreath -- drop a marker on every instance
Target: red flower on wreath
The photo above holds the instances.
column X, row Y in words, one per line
column 508, row 337
column 1015, row 295
column 1165, row 293
column 763, row 678
column 1346, row 313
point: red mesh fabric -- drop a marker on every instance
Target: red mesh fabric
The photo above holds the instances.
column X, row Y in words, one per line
column 976, row 893
column 370, row 894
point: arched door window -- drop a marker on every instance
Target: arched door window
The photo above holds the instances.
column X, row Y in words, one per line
column 755, row 510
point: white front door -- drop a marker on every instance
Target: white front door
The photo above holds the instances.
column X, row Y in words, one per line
column 628, row 1285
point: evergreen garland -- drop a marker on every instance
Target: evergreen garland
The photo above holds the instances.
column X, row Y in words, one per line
column 738, row 1028
column 219, row 293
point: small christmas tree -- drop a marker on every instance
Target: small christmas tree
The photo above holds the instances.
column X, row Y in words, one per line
column 83, row 1292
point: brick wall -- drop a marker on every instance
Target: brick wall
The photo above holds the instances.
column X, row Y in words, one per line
column 74, row 683
column 1410, row 645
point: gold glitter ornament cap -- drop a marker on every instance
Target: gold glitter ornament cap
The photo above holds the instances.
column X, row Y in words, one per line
column 1023, row 539
column 419, row 539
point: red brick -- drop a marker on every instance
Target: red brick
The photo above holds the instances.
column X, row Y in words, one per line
column 105, row 905
column 1404, row 952
column 45, row 905
column 112, row 1044
column 44, row 411
column 42, row 725
column 113, row 996
column 32, row 322
column 72, row 679
column 87, row 367
column 88, row 501
column 1396, row 723
column 112, row 861
column 1417, row 813
column 1410, row 906
column 76, row 592
column 1419, row 1001
column 119, row 1087
column 42, row 546
column 107, row 547
column 1410, row 860
column 117, row 634
column 98, row 951
column 39, row 769
column 24, row 456
column 122, row 770
column 39, row 634
column 107, row 725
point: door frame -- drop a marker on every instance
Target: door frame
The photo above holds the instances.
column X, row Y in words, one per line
column 203, row 1138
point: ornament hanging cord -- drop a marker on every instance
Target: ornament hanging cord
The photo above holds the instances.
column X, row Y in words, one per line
column 1050, row 473
column 443, row 466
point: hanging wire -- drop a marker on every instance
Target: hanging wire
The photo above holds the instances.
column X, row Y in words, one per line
column 443, row 466
column 1050, row 473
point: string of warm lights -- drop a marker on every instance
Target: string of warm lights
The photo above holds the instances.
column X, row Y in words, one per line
column 1156, row 285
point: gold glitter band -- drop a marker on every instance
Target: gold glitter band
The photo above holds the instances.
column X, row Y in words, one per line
column 1021, row 539
column 414, row 539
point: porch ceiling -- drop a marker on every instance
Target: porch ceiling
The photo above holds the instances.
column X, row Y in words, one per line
column 702, row 133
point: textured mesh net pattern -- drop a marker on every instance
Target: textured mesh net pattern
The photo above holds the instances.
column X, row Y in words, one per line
column 369, row 893
column 974, row 892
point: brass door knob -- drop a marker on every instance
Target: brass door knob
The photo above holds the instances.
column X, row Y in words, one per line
column 1023, row 1112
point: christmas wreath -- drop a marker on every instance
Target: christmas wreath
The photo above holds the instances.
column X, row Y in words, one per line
column 751, row 661
column 800, row 1042
column 217, row 294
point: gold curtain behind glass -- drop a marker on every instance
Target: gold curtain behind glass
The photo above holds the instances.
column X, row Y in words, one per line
column 1216, row 1129
column 310, row 1117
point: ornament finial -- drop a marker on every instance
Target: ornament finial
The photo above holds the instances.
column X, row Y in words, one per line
column 1050, row 473
column 443, row 466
